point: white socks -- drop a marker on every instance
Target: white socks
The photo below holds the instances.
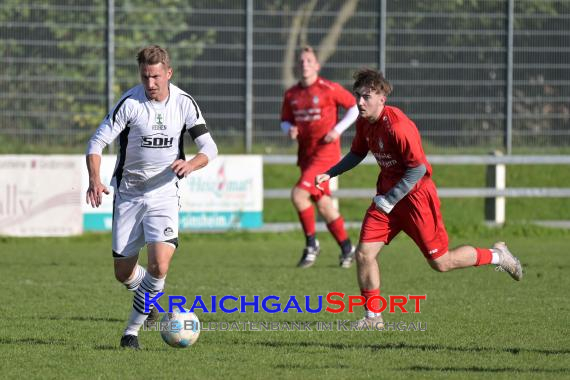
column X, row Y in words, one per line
column 132, row 284
column 495, row 257
column 371, row 314
column 150, row 285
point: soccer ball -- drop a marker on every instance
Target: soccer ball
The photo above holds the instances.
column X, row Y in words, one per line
column 180, row 329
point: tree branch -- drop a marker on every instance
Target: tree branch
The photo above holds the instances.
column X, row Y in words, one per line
column 299, row 23
column 329, row 43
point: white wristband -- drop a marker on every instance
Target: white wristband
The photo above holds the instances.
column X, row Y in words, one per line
column 207, row 146
column 382, row 204
column 286, row 126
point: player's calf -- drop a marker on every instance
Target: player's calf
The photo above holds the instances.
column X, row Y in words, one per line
column 148, row 289
column 132, row 283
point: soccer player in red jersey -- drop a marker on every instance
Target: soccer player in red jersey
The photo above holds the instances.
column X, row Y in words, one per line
column 406, row 198
column 310, row 116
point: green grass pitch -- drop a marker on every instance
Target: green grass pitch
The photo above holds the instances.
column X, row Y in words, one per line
column 63, row 312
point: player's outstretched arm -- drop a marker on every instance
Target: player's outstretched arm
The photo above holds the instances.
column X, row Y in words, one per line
column 348, row 162
column 95, row 191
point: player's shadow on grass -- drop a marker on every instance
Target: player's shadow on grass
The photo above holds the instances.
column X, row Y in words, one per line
column 110, row 347
column 292, row 366
column 408, row 346
column 80, row 319
column 488, row 370
column 107, row 347
column 32, row 341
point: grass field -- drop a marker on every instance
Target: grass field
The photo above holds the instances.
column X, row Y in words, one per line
column 63, row 312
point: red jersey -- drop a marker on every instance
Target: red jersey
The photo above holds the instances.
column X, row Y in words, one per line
column 314, row 111
column 395, row 142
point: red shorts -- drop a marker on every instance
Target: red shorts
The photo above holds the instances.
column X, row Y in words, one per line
column 418, row 215
column 307, row 181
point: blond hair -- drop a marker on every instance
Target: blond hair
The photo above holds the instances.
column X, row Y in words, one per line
column 152, row 55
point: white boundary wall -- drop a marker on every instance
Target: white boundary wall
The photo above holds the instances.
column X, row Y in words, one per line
column 45, row 195
column 40, row 195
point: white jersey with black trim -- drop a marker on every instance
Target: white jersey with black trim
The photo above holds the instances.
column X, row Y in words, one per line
column 150, row 138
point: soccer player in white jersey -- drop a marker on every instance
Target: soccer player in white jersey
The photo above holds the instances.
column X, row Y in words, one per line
column 150, row 121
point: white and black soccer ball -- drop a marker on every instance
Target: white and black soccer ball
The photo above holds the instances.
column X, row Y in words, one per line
column 180, row 329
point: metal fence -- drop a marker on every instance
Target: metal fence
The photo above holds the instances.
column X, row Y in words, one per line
column 474, row 75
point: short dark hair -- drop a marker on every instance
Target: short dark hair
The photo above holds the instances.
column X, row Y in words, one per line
column 152, row 55
column 372, row 79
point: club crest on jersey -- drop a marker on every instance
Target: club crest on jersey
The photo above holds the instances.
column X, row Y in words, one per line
column 157, row 140
column 158, row 122
column 315, row 99
column 380, row 144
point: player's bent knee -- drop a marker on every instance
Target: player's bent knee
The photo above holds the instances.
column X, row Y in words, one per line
column 300, row 198
column 122, row 275
column 326, row 208
column 157, row 271
column 439, row 265
column 119, row 277
column 362, row 257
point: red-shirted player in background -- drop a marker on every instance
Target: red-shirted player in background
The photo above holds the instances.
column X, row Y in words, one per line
column 310, row 116
column 406, row 197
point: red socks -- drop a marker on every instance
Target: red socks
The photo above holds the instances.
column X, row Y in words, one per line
column 307, row 218
column 336, row 228
column 368, row 293
column 484, row 256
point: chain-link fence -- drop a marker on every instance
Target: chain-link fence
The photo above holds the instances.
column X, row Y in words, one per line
column 474, row 75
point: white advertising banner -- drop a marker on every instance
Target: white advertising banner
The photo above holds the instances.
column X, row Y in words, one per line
column 100, row 218
column 40, row 195
column 226, row 194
